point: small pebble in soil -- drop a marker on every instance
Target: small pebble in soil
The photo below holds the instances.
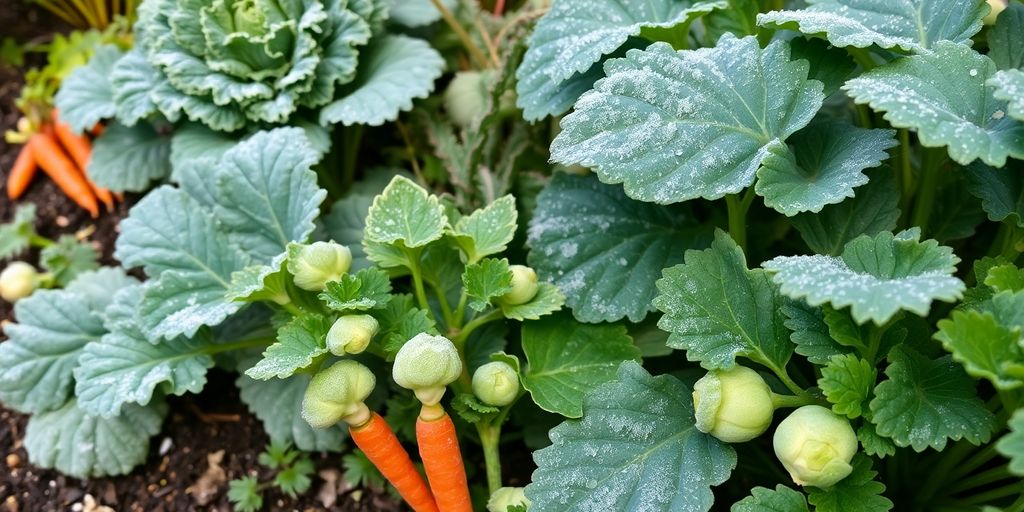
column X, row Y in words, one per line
column 165, row 446
column 62, row 221
column 13, row 460
column 11, row 504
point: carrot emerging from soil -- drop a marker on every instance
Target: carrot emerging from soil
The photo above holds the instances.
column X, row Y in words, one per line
column 439, row 449
column 80, row 149
column 380, row 445
column 21, row 174
column 52, row 160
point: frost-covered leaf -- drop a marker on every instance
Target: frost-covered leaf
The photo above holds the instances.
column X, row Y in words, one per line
column 261, row 282
column 716, row 309
column 1001, row 190
column 988, row 347
column 873, row 208
column 858, row 492
column 404, row 212
column 298, row 344
column 52, row 327
column 1005, row 45
column 942, row 95
column 192, row 141
column 847, row 381
column 572, row 37
column 925, row 403
column 877, row 276
column 15, row 235
column 1012, row 444
column 369, row 288
column 86, row 96
column 267, row 191
column 128, row 159
column 82, row 445
column 1009, row 87
column 875, row 445
column 822, row 165
column 910, row 25
column 549, row 299
column 132, row 81
column 415, row 13
column 189, row 258
column 829, row 65
column 345, row 224
column 488, row 230
column 567, row 359
column 780, row 499
column 486, row 280
column 278, row 404
column 393, row 71
column 636, row 445
column 674, row 126
column 604, row 250
column 810, row 332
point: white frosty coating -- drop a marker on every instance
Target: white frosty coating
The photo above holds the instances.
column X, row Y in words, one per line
column 548, row 300
column 298, row 345
column 1009, row 86
column 393, row 71
column 877, row 277
column 81, row 445
column 935, row 94
column 911, row 25
column 925, row 403
column 405, row 212
column 574, row 35
column 674, row 126
column 834, row 155
column 636, row 449
column 604, row 250
column 488, row 230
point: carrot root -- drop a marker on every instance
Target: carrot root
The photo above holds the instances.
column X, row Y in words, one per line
column 439, row 449
column 62, row 171
column 380, row 445
column 21, row 174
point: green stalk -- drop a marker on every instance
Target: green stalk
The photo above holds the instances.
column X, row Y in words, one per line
column 490, row 438
column 39, row 242
column 237, row 345
column 928, row 191
column 446, row 309
column 472, row 325
column 779, row 401
column 906, row 176
column 1013, row 489
column 862, row 57
column 460, row 310
column 291, row 308
column 474, row 52
column 737, row 208
column 981, row 479
column 942, row 471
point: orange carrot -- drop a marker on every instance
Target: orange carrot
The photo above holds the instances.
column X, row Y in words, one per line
column 439, row 449
column 80, row 149
column 62, row 171
column 21, row 174
column 380, row 445
column 97, row 130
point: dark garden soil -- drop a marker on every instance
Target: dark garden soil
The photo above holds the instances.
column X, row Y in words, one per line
column 212, row 424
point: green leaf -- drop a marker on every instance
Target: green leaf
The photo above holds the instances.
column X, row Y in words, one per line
column 549, row 299
column 1005, row 46
column 53, row 326
column 129, row 159
column 369, row 288
column 267, row 191
column 810, row 332
column 415, row 13
column 393, row 71
column 604, row 250
column 829, row 65
column 488, row 230
column 278, row 404
column 1012, row 444
column 1001, row 191
column 244, row 494
column 845, row 331
column 404, row 212
column 169, row 234
column 636, row 444
column 942, row 95
column 674, row 126
column 847, row 381
column 192, row 141
column 86, row 96
column 295, row 480
column 400, row 320
column 1005, row 278
column 822, row 165
column 16, row 234
column 345, row 224
column 716, row 309
column 572, row 37
column 471, row 409
column 68, row 258
column 81, row 445
column 957, row 213
column 486, row 280
column 567, row 359
column 1009, row 88
column 872, row 209
column 877, row 276
column 781, row 499
column 875, row 445
column 132, row 81
column 257, row 283
column 925, row 403
column 987, row 347
column 299, row 344
column 913, row 25
column 858, row 492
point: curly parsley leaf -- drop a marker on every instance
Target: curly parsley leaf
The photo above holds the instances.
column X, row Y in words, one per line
column 486, row 280
column 859, row 492
column 847, row 381
column 988, row 347
column 298, row 344
column 370, row 288
column 780, row 499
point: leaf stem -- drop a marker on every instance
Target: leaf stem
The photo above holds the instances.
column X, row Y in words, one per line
column 446, row 309
column 291, row 308
column 472, row 325
column 417, row 279
column 863, row 58
column 987, row 497
column 39, row 241
column 460, row 309
column 449, row 18
column 737, row 209
column 906, row 171
column 984, row 478
column 928, row 190
column 779, row 401
column 236, row 345
column 490, row 440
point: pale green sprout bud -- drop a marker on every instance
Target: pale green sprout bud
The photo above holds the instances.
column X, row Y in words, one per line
column 733, row 405
column 426, row 364
column 337, row 394
column 316, row 264
column 997, row 6
column 506, row 497
column 524, row 286
column 816, row 446
column 465, row 99
column 496, row 384
column 18, row 281
column 351, row 334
